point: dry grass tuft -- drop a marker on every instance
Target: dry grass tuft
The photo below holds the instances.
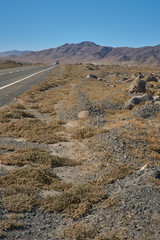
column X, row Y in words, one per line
column 34, row 130
column 109, row 236
column 7, row 148
column 35, row 157
column 79, row 231
column 13, row 111
column 118, row 172
column 10, row 224
column 75, row 202
column 20, row 203
column 83, row 133
column 36, row 178
column 21, row 186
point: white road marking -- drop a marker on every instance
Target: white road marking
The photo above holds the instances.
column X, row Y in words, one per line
column 24, row 78
column 2, row 74
column 10, row 72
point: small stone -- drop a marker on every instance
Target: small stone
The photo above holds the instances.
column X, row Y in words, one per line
column 83, row 114
column 157, row 174
column 90, row 76
column 156, row 98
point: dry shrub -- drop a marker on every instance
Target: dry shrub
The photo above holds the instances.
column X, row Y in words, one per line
column 19, row 202
column 13, row 111
column 35, row 156
column 79, row 231
column 33, row 130
column 7, row 148
column 156, row 182
column 75, row 202
column 83, row 133
column 155, row 146
column 21, row 186
column 118, row 172
column 10, row 224
column 111, row 201
column 109, row 236
column 38, row 178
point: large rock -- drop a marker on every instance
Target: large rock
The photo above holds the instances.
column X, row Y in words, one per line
column 138, row 86
column 139, row 99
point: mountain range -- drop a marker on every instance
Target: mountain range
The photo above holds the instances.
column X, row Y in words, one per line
column 91, row 52
column 13, row 53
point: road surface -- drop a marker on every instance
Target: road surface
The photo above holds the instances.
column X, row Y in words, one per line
column 15, row 81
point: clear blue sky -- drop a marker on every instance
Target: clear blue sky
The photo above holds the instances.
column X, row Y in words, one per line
column 41, row 24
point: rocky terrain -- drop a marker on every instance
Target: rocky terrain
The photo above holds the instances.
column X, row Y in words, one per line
column 91, row 52
column 80, row 156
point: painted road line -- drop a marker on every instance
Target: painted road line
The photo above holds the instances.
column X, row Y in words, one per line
column 2, row 74
column 24, row 78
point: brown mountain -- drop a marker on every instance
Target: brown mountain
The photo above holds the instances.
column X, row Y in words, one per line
column 91, row 52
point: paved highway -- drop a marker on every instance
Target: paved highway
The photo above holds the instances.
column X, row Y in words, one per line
column 16, row 81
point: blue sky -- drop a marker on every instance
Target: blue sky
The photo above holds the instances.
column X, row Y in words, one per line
column 42, row 24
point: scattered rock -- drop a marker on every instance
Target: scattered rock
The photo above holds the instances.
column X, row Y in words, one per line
column 157, row 175
column 139, row 99
column 90, row 76
column 138, row 86
column 124, row 79
column 156, row 98
column 83, row 114
column 100, row 79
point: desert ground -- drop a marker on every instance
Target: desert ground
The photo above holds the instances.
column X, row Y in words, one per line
column 80, row 156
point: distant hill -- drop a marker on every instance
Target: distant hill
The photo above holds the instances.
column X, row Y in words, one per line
column 13, row 53
column 91, row 52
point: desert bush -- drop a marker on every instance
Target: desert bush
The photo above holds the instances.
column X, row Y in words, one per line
column 13, row 111
column 79, row 231
column 75, row 202
column 10, row 224
column 33, row 130
column 21, row 186
column 35, row 156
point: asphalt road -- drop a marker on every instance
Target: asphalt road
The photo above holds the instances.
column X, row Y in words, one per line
column 15, row 81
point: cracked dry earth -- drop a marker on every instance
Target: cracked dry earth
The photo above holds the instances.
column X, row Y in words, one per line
column 95, row 162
